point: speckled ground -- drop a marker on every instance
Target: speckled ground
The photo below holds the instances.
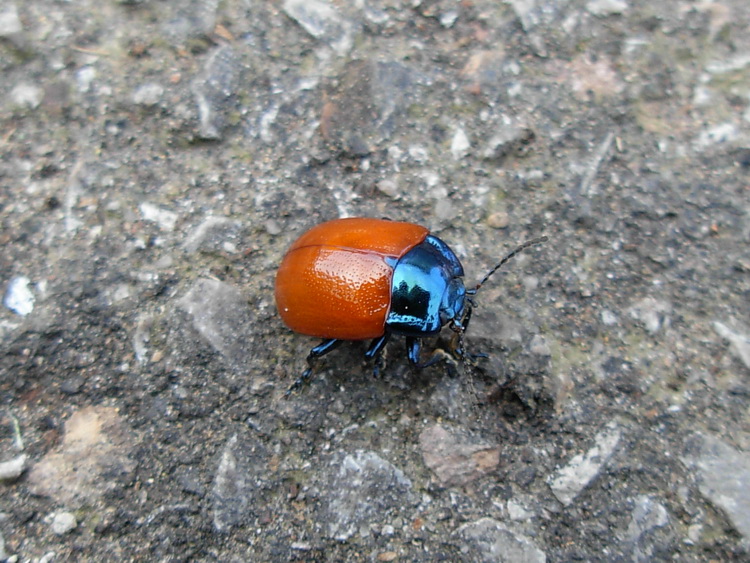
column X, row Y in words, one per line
column 157, row 158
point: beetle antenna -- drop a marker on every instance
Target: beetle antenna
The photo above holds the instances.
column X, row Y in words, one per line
column 518, row 250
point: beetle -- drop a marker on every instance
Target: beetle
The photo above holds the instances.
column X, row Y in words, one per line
column 363, row 278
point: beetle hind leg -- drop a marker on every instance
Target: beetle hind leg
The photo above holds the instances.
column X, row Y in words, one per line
column 320, row 350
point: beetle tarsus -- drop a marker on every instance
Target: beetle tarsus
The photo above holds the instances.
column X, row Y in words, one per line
column 377, row 366
column 300, row 382
column 320, row 350
column 440, row 355
column 413, row 348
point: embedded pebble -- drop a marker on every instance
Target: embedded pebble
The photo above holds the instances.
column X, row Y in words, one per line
column 63, row 522
column 220, row 314
column 447, row 19
column 539, row 346
column 512, row 137
column 363, row 489
column 607, row 7
column 237, row 481
column 499, row 220
column 609, row 318
column 19, row 298
column 10, row 23
column 27, row 95
column 148, row 94
column 739, row 341
column 456, row 459
column 214, row 234
column 92, row 460
column 460, row 144
column 723, row 475
column 321, row 20
column 491, row 540
column 163, row 217
column 648, row 514
column 582, row 469
column 654, row 314
column 13, row 468
column 187, row 19
column 85, row 78
column 215, row 90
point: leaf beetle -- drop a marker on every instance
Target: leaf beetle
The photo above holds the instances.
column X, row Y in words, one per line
column 363, row 278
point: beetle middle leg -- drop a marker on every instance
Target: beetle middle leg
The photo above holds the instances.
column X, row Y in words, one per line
column 375, row 351
column 320, row 350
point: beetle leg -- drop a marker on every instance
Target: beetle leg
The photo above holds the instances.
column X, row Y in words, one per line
column 467, row 318
column 320, row 350
column 438, row 355
column 413, row 347
column 459, row 351
column 377, row 346
column 375, row 350
column 459, row 328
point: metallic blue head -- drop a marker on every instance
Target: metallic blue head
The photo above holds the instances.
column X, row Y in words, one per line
column 427, row 291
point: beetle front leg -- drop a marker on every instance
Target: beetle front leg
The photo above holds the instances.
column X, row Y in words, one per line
column 467, row 316
column 320, row 350
column 414, row 347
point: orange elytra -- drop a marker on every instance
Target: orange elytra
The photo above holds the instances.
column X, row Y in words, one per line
column 335, row 280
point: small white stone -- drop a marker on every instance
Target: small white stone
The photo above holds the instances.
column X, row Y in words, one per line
column 609, row 318
column 63, row 522
column 723, row 133
column 607, row 7
column 447, row 19
column 539, row 346
column 12, row 469
column 583, row 468
column 27, row 95
column 10, row 23
column 460, row 144
column 85, row 77
column 518, row 512
column 148, row 94
column 739, row 340
column 18, row 297
column 163, row 217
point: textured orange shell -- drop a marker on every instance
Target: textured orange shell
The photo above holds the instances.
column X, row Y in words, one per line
column 334, row 281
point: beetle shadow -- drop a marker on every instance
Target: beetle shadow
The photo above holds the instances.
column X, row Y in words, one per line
column 486, row 382
column 347, row 367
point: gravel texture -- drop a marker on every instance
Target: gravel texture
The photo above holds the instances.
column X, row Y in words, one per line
column 157, row 158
